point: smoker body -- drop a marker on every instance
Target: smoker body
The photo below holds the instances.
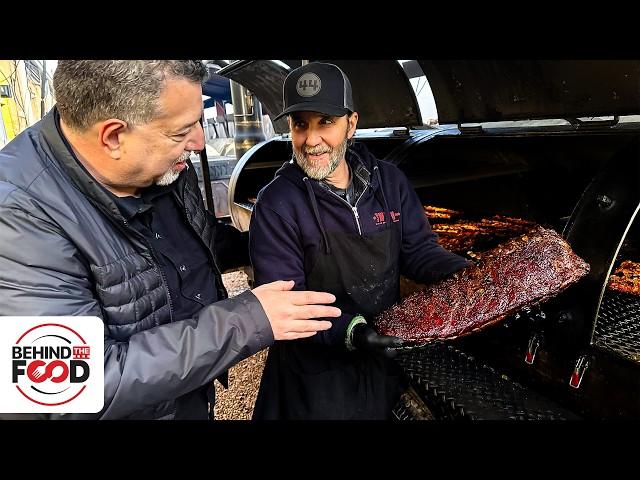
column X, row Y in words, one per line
column 578, row 355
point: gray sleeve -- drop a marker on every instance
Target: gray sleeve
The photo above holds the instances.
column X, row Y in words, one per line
column 170, row 360
column 42, row 273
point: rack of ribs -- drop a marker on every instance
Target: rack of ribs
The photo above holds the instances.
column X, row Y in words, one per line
column 522, row 272
column 439, row 213
column 463, row 236
column 626, row 278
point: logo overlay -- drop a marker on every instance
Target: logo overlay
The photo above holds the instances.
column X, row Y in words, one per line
column 51, row 364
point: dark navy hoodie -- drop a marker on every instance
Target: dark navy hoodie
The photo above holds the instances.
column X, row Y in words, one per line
column 285, row 233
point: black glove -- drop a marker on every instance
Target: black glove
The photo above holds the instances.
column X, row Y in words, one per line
column 365, row 338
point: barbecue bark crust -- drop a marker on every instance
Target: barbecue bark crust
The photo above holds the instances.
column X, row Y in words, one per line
column 626, row 278
column 521, row 272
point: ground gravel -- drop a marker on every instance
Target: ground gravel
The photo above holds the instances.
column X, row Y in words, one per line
column 236, row 402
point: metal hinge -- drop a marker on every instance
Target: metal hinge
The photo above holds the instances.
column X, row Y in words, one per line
column 578, row 371
column 470, row 128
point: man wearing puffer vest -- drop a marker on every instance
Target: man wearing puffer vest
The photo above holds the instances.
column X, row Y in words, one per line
column 101, row 215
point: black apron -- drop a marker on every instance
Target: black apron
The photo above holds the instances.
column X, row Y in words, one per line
column 305, row 380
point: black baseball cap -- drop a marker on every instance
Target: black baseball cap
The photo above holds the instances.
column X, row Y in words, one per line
column 317, row 87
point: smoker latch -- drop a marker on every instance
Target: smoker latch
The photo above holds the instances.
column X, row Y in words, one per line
column 578, row 371
column 401, row 132
column 532, row 348
column 536, row 317
column 579, row 123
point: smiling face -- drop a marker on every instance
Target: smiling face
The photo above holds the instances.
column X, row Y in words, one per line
column 320, row 141
column 156, row 152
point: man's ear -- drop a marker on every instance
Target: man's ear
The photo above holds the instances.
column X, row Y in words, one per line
column 353, row 123
column 109, row 132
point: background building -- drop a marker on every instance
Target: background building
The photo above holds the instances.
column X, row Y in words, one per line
column 21, row 99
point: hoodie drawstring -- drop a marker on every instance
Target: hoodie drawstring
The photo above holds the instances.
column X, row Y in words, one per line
column 380, row 192
column 316, row 212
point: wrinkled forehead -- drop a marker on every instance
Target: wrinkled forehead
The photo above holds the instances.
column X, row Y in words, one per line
column 180, row 102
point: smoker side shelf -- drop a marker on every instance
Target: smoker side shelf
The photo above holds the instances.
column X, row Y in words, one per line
column 455, row 386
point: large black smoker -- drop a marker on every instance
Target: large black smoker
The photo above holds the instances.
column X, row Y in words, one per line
column 578, row 355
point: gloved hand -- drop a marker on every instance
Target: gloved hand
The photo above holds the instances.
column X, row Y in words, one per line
column 365, row 338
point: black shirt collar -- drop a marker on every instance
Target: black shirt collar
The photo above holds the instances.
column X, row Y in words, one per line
column 131, row 206
column 358, row 180
column 342, row 191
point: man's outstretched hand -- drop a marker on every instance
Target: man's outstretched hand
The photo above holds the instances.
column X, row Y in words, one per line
column 289, row 311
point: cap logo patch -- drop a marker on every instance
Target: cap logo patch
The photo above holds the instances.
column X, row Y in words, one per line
column 308, row 85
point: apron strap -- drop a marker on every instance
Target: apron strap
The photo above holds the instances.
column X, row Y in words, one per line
column 316, row 212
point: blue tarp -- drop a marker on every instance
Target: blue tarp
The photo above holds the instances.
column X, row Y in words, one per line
column 218, row 88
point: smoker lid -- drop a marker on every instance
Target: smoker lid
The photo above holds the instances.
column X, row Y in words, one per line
column 382, row 93
column 474, row 91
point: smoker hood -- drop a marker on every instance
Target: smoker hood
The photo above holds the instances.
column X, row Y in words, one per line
column 475, row 91
column 382, row 93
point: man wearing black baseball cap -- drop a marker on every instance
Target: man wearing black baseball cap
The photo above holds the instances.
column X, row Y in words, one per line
column 337, row 219
column 317, row 87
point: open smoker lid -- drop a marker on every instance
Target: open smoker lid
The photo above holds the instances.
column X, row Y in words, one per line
column 475, row 91
column 382, row 93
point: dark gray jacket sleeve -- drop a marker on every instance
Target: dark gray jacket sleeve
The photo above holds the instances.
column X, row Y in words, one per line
column 170, row 360
column 42, row 273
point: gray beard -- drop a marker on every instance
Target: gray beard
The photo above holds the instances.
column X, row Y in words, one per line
column 167, row 178
column 320, row 172
column 170, row 175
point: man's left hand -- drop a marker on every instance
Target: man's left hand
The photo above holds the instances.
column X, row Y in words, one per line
column 365, row 338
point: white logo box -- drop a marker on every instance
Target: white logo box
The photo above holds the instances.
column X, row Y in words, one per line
column 51, row 364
